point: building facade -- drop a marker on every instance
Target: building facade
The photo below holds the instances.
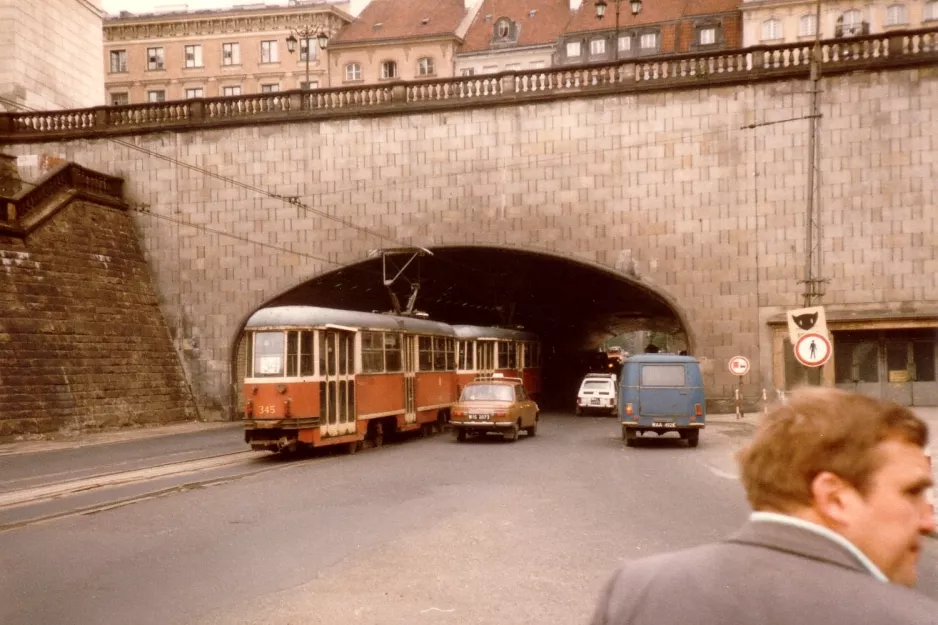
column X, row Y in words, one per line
column 507, row 35
column 661, row 27
column 771, row 22
column 399, row 40
column 204, row 54
column 50, row 54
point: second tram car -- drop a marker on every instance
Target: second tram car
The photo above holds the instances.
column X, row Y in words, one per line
column 320, row 376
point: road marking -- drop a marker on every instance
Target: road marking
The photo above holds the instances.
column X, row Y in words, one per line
column 724, row 474
column 41, row 493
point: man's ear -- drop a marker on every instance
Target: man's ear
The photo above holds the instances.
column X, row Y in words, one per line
column 834, row 499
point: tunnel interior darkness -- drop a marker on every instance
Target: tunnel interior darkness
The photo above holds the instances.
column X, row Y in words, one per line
column 572, row 306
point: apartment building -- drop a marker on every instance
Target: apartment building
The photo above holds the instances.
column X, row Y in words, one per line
column 505, row 35
column 772, row 22
column 660, row 27
column 400, row 40
column 194, row 54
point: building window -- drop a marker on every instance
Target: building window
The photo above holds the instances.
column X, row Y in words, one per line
column 270, row 88
column 155, row 59
column 490, row 69
column 389, row 69
column 156, row 96
column 469, row 71
column 597, row 46
column 931, row 10
column 896, row 15
column 353, row 71
column 118, row 61
column 573, row 49
column 425, row 67
column 120, row 99
column 269, row 52
column 310, row 47
column 851, row 21
column 231, row 54
column 771, row 30
column 649, row 41
column 194, row 93
column 194, row 56
column 807, row 26
column 502, row 29
column 231, row 91
column 512, row 67
column 537, row 64
column 313, row 84
column 625, row 43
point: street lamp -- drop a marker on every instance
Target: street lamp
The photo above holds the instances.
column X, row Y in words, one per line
column 635, row 5
column 307, row 34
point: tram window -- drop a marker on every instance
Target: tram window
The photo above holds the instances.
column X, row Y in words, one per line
column 306, row 353
column 425, row 353
column 439, row 353
column 327, row 353
column 502, row 355
column 343, row 407
column 372, row 352
column 923, row 354
column 345, row 345
column 249, row 359
column 450, row 354
column 512, row 355
column 392, row 352
column 292, row 345
column 268, row 354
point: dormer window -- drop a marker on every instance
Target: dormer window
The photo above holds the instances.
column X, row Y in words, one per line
column 502, row 29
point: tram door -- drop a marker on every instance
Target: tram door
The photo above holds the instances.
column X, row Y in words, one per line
column 337, row 390
column 410, row 379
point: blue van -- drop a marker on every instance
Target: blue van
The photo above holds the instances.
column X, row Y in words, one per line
column 661, row 393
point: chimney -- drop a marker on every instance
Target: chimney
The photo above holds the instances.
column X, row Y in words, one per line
column 10, row 181
column 575, row 4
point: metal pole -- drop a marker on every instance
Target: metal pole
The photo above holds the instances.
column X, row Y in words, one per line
column 812, row 272
column 616, row 42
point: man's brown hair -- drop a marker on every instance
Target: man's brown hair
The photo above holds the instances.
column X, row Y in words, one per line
column 818, row 430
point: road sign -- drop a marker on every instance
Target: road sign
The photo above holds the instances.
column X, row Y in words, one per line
column 806, row 320
column 813, row 349
column 739, row 365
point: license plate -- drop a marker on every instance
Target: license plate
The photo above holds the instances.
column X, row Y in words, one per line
column 479, row 417
column 664, row 424
column 594, row 401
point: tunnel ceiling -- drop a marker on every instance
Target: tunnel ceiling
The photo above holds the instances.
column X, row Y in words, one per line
column 551, row 296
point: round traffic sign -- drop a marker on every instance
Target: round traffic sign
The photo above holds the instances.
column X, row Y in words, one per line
column 813, row 349
column 739, row 365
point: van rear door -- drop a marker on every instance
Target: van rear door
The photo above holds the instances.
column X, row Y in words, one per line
column 663, row 391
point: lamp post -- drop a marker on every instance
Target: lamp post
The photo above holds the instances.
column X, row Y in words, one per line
column 307, row 34
column 635, row 5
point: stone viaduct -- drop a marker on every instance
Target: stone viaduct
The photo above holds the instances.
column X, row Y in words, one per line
column 682, row 178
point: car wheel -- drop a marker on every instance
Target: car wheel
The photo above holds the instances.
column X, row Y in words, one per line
column 461, row 435
column 512, row 434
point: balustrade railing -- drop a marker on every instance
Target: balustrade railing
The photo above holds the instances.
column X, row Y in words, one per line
column 66, row 178
column 896, row 49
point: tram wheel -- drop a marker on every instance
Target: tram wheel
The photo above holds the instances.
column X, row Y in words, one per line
column 377, row 434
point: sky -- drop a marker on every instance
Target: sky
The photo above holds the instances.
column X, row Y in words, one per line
column 114, row 7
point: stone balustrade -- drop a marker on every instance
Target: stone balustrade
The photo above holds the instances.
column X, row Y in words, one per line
column 893, row 50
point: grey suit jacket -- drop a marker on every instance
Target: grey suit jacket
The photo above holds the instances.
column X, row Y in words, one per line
column 766, row 574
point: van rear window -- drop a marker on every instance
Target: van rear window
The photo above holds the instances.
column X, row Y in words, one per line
column 663, row 375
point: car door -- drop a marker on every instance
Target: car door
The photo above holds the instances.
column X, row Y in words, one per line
column 525, row 406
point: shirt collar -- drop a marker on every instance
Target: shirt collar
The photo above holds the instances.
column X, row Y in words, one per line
column 785, row 519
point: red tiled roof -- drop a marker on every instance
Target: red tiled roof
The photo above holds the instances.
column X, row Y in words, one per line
column 653, row 12
column 549, row 20
column 403, row 19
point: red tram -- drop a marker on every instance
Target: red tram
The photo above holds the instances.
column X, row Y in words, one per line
column 320, row 376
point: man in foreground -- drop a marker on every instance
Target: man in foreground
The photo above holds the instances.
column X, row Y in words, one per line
column 837, row 482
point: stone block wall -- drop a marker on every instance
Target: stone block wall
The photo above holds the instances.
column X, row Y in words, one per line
column 83, row 343
column 701, row 191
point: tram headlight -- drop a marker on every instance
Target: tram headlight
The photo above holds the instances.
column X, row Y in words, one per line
column 249, row 408
column 286, row 407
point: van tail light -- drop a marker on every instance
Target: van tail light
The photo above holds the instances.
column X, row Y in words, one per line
column 286, row 407
column 628, row 409
column 698, row 410
column 249, row 408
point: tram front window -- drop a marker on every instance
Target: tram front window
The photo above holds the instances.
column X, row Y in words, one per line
column 268, row 354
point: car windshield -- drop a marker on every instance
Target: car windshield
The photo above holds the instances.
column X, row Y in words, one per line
column 593, row 385
column 487, row 392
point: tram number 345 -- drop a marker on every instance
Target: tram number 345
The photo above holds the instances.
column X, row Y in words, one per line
column 268, row 409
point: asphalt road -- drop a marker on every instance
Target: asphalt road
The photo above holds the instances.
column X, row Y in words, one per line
column 426, row 531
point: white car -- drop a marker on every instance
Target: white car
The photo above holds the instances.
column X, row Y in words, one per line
column 597, row 394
